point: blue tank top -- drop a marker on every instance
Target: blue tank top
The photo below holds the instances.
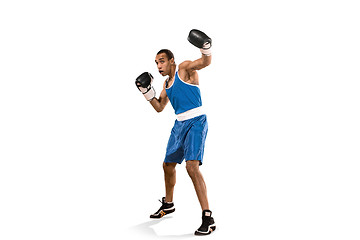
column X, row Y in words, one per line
column 183, row 96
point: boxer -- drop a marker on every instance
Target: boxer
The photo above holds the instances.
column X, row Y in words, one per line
column 187, row 138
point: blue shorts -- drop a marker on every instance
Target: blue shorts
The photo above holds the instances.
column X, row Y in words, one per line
column 187, row 140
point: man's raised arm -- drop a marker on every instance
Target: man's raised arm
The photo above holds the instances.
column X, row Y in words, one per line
column 202, row 41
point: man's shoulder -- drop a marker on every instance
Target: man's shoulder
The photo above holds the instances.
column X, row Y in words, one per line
column 184, row 65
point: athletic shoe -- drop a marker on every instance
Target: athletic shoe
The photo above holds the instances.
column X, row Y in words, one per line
column 208, row 224
column 166, row 208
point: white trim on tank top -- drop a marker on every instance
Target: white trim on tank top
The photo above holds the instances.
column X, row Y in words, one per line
column 177, row 72
column 186, row 82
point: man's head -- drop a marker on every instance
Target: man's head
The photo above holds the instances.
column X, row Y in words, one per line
column 164, row 60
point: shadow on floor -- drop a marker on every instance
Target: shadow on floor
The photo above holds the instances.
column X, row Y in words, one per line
column 147, row 230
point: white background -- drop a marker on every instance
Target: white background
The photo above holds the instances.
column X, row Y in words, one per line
column 81, row 150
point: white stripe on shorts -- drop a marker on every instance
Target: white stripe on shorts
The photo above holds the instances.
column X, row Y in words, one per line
column 195, row 112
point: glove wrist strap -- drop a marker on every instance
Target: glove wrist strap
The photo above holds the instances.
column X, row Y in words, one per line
column 206, row 49
column 149, row 95
column 206, row 52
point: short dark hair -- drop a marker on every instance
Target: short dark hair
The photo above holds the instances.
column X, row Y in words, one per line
column 168, row 53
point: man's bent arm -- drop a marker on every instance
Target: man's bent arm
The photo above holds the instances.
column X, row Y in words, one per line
column 160, row 103
column 200, row 63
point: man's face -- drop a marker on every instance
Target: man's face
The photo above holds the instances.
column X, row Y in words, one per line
column 163, row 64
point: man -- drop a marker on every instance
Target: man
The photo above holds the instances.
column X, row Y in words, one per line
column 188, row 135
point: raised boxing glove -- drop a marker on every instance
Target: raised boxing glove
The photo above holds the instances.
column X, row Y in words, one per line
column 143, row 83
column 200, row 40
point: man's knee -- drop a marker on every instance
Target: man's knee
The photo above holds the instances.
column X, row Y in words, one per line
column 192, row 167
column 169, row 168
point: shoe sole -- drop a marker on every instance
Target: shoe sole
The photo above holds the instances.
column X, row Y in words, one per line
column 212, row 228
column 163, row 213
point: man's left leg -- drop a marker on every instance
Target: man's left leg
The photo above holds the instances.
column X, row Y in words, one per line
column 208, row 223
column 192, row 167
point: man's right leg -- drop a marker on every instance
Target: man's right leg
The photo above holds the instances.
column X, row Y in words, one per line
column 170, row 180
column 167, row 206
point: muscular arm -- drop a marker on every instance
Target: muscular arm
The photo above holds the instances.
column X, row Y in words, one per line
column 198, row 64
column 202, row 41
column 187, row 69
column 160, row 103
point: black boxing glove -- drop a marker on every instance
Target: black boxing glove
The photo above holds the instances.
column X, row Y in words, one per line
column 200, row 40
column 143, row 83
